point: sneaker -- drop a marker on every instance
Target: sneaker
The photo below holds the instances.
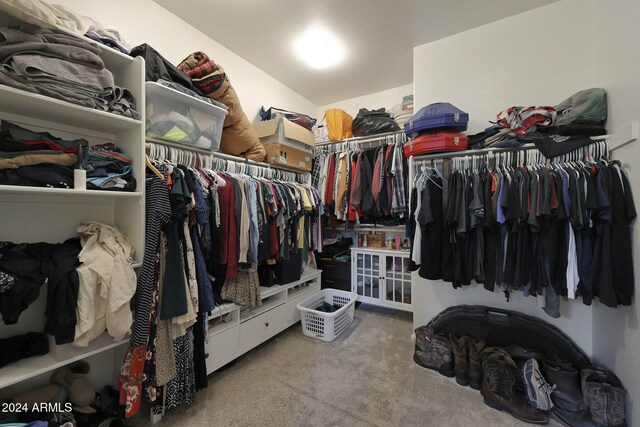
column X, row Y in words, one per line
column 538, row 389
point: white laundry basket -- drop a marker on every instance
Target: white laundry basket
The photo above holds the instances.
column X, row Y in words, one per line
column 327, row 326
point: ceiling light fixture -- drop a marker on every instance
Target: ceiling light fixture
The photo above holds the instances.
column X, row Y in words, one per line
column 319, row 48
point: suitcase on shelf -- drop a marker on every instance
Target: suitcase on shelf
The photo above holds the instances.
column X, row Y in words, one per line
column 437, row 116
column 436, row 142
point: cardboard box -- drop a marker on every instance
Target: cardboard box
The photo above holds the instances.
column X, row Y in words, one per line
column 287, row 143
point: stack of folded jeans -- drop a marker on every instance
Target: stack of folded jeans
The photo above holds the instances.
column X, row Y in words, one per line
column 63, row 67
column 108, row 168
column 37, row 159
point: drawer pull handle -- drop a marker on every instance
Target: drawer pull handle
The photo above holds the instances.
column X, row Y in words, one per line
column 206, row 355
column 266, row 324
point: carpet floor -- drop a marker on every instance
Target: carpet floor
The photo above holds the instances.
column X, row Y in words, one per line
column 366, row 377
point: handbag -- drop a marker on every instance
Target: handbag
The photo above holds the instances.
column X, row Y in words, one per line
column 373, row 122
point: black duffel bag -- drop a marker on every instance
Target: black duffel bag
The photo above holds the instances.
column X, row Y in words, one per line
column 373, row 122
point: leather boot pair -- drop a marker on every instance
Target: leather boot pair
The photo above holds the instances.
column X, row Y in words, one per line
column 499, row 389
column 468, row 366
column 602, row 390
column 567, row 394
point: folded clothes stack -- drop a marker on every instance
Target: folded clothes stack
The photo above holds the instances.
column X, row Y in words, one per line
column 36, row 159
column 108, row 168
column 63, row 67
column 39, row 159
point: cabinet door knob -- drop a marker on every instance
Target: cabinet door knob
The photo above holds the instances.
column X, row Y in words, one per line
column 266, row 324
column 206, row 355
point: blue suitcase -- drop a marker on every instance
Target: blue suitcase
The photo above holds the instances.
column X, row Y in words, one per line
column 437, row 116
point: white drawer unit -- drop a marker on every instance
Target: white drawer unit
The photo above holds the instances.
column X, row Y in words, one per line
column 258, row 329
column 233, row 331
column 381, row 277
column 222, row 348
column 297, row 295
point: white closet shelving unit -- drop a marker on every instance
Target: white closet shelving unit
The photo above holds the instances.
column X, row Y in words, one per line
column 247, row 329
column 32, row 214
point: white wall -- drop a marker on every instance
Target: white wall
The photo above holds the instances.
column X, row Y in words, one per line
column 535, row 58
column 616, row 62
column 387, row 98
column 143, row 21
column 539, row 57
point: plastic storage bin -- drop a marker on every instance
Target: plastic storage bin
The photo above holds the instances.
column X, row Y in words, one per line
column 177, row 117
column 327, row 326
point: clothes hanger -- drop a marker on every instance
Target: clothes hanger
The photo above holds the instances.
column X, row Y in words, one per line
column 153, row 169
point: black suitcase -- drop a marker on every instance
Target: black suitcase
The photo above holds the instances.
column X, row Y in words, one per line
column 502, row 328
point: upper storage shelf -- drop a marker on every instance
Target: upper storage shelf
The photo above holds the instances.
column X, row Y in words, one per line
column 16, row 101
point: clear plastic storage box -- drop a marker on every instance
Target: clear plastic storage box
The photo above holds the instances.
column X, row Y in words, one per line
column 177, row 117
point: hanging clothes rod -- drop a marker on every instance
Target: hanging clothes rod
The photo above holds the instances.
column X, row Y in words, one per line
column 361, row 142
column 360, row 138
column 482, row 151
column 208, row 160
column 523, row 155
column 211, row 153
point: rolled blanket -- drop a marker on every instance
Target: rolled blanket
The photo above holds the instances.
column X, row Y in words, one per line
column 238, row 136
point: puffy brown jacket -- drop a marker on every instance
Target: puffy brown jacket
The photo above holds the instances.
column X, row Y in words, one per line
column 238, row 137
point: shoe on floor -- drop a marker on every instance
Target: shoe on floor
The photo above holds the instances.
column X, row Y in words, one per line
column 538, row 389
column 498, row 390
column 73, row 378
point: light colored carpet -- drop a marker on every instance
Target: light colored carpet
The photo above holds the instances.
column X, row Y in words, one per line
column 366, row 377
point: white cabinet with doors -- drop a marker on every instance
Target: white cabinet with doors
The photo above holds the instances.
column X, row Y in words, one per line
column 380, row 277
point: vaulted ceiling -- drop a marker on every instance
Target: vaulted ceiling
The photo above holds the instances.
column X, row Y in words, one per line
column 379, row 36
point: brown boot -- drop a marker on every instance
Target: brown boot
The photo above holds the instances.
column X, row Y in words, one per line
column 461, row 359
column 475, row 364
column 498, row 389
column 605, row 395
column 433, row 351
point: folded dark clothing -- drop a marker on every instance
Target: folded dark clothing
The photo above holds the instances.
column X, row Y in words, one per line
column 46, row 175
column 20, row 347
column 556, row 145
column 16, row 138
column 107, row 42
column 103, row 159
column 477, row 141
column 508, row 143
column 129, row 186
column 575, row 130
